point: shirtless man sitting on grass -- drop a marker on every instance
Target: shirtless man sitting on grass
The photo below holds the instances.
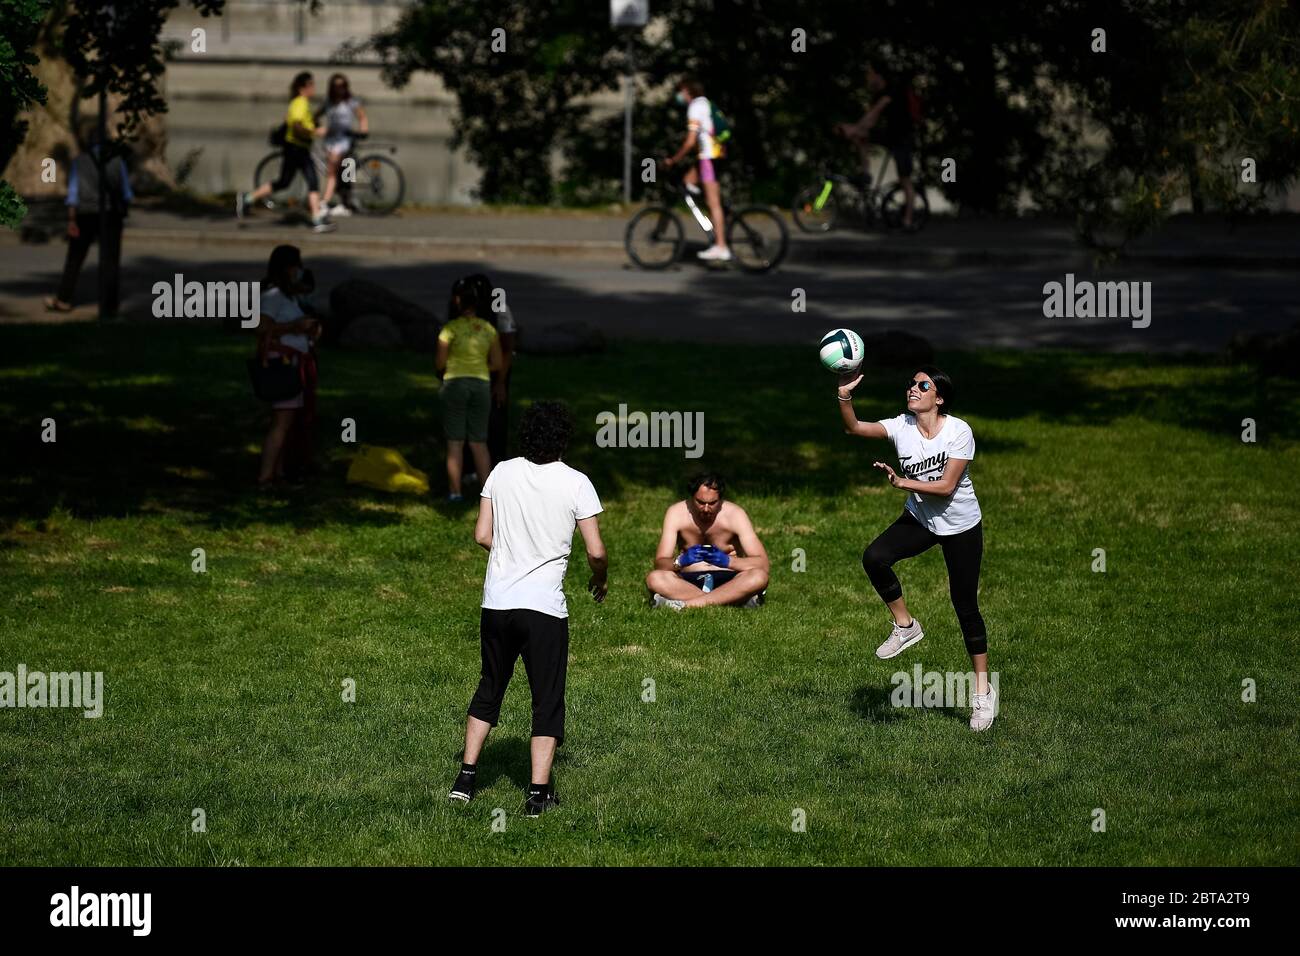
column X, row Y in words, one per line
column 708, row 553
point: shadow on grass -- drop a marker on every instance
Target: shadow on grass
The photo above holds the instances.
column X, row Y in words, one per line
column 503, row 758
column 873, row 703
column 155, row 419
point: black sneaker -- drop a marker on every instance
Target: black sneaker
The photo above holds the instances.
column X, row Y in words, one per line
column 536, row 804
column 463, row 788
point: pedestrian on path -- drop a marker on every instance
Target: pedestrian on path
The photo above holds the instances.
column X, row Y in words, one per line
column 84, row 219
column 299, row 131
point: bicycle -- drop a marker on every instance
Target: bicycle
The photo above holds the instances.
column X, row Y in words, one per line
column 818, row 207
column 756, row 235
column 378, row 189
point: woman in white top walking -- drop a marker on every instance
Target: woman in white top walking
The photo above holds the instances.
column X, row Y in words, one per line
column 934, row 452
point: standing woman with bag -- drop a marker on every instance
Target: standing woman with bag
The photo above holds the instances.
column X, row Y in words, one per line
column 286, row 334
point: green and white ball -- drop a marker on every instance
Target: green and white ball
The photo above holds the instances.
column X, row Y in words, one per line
column 841, row 351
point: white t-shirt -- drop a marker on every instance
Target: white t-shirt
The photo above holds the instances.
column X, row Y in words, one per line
column 535, row 509
column 283, row 309
column 699, row 117
column 341, row 118
column 924, row 459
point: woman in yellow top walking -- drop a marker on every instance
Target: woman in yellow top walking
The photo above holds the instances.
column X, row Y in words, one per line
column 469, row 351
column 299, row 130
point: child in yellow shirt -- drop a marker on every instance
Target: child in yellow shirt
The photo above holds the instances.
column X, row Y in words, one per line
column 469, row 351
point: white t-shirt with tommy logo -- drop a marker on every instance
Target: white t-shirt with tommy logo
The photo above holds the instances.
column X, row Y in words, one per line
column 925, row 459
column 535, row 509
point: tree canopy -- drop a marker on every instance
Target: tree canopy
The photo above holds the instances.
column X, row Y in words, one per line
column 1025, row 97
column 112, row 45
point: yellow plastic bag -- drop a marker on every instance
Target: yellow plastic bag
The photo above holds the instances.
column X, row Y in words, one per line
column 386, row 470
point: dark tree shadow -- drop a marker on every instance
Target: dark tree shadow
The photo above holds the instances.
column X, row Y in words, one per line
column 158, row 416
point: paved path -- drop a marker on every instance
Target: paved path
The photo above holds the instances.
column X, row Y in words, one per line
column 997, row 303
column 1270, row 243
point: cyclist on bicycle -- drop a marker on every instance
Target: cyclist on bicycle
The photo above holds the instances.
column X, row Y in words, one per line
column 299, row 129
column 710, row 153
column 893, row 104
column 344, row 118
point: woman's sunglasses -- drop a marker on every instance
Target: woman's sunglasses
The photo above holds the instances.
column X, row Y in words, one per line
column 923, row 386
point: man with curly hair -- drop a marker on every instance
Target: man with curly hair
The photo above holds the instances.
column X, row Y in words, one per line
column 528, row 510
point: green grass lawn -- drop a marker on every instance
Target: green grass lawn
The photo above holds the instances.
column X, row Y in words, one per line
column 1120, row 690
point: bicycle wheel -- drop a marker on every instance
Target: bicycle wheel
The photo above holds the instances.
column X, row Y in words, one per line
column 380, row 185
column 654, row 238
column 758, row 238
column 816, row 208
column 893, row 203
column 268, row 171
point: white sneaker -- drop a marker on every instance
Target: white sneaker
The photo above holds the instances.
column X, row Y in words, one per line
column 339, row 210
column 322, row 224
column 900, row 639
column 984, row 707
column 715, row 254
column 661, row 601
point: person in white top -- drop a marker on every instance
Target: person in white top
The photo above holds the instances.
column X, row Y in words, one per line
column 935, row 450
column 709, row 156
column 529, row 508
column 344, row 117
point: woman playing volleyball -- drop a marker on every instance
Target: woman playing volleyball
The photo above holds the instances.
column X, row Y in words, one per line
column 934, row 450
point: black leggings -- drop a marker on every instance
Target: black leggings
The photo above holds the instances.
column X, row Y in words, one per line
column 296, row 159
column 906, row 538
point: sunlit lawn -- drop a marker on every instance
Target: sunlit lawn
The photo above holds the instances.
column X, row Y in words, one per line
column 1122, row 691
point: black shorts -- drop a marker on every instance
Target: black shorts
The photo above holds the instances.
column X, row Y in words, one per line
column 543, row 642
column 903, row 159
column 697, row 577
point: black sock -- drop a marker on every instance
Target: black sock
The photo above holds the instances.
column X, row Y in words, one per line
column 539, row 790
column 467, row 767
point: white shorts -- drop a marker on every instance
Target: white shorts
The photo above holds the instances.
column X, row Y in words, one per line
column 339, row 146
